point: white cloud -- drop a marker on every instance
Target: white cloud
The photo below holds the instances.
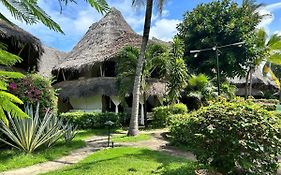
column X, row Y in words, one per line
column 164, row 29
column 267, row 12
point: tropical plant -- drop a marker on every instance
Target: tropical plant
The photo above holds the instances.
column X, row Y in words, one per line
column 176, row 71
column 28, row 134
column 29, row 12
column 70, row 132
column 270, row 48
column 34, row 88
column 154, row 67
column 8, row 101
column 58, row 129
column 133, row 127
column 220, row 23
column 233, row 137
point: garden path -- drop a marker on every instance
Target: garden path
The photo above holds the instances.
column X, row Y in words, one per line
column 157, row 142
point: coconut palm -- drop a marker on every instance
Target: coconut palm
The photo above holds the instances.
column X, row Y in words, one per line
column 133, row 127
column 29, row 12
column 270, row 48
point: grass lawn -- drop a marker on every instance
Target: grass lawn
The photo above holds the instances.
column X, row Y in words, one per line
column 137, row 161
column 124, row 138
column 13, row 158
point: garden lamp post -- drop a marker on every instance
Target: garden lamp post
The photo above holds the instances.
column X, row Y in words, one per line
column 217, row 50
column 109, row 124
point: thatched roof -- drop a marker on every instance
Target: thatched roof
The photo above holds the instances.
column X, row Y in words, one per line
column 102, row 86
column 259, row 80
column 50, row 58
column 18, row 41
column 102, row 42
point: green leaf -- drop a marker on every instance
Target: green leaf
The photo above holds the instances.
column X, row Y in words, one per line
column 275, row 58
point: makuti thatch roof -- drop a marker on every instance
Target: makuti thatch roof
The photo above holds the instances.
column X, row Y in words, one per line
column 21, row 43
column 260, row 83
column 102, row 42
column 50, row 58
column 102, row 86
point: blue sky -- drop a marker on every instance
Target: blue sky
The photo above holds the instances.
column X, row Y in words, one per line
column 76, row 19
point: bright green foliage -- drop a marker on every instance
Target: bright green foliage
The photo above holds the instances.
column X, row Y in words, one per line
column 34, row 88
column 128, row 161
column 28, row 134
column 200, row 90
column 268, row 104
column 93, row 120
column 176, row 71
column 7, row 100
column 220, row 23
column 154, row 66
column 233, row 137
column 162, row 114
column 28, row 11
column 271, row 52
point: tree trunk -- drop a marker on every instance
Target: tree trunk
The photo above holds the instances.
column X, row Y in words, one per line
column 134, row 128
column 251, row 82
column 246, row 84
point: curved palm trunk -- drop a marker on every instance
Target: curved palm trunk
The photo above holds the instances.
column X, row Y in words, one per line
column 134, row 128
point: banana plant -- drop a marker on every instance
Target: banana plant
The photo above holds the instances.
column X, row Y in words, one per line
column 28, row 134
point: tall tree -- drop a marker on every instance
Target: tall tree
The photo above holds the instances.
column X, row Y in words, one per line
column 177, row 74
column 28, row 11
column 134, row 128
column 220, row 23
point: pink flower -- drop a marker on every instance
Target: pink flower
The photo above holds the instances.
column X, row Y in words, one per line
column 12, row 86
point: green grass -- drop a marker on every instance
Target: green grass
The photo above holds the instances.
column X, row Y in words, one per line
column 125, row 161
column 124, row 138
column 13, row 158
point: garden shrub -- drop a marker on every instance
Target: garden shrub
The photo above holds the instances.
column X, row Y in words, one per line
column 161, row 114
column 92, row 120
column 34, row 88
column 268, row 104
column 237, row 137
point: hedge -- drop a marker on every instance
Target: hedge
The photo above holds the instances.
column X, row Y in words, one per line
column 237, row 137
column 93, row 120
column 162, row 114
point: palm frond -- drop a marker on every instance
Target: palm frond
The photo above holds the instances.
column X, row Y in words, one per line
column 275, row 58
column 7, row 74
column 274, row 39
column 8, row 59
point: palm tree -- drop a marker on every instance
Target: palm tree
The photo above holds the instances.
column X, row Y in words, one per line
column 271, row 53
column 29, row 12
column 133, row 128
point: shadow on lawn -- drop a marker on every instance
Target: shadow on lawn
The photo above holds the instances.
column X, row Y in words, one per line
column 168, row 165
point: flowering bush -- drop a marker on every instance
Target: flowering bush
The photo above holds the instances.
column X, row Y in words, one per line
column 34, row 88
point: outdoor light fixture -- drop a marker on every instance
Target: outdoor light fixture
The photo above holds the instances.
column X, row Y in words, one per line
column 216, row 49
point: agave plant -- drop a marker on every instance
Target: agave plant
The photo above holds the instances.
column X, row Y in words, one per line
column 70, row 132
column 28, row 134
column 58, row 131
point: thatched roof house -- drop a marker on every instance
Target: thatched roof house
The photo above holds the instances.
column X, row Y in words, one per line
column 260, row 84
column 21, row 43
column 86, row 76
column 49, row 59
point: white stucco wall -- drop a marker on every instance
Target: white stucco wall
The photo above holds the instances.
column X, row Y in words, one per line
column 88, row 104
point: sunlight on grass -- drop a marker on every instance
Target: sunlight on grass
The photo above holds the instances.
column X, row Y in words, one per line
column 13, row 158
column 123, row 161
column 125, row 138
